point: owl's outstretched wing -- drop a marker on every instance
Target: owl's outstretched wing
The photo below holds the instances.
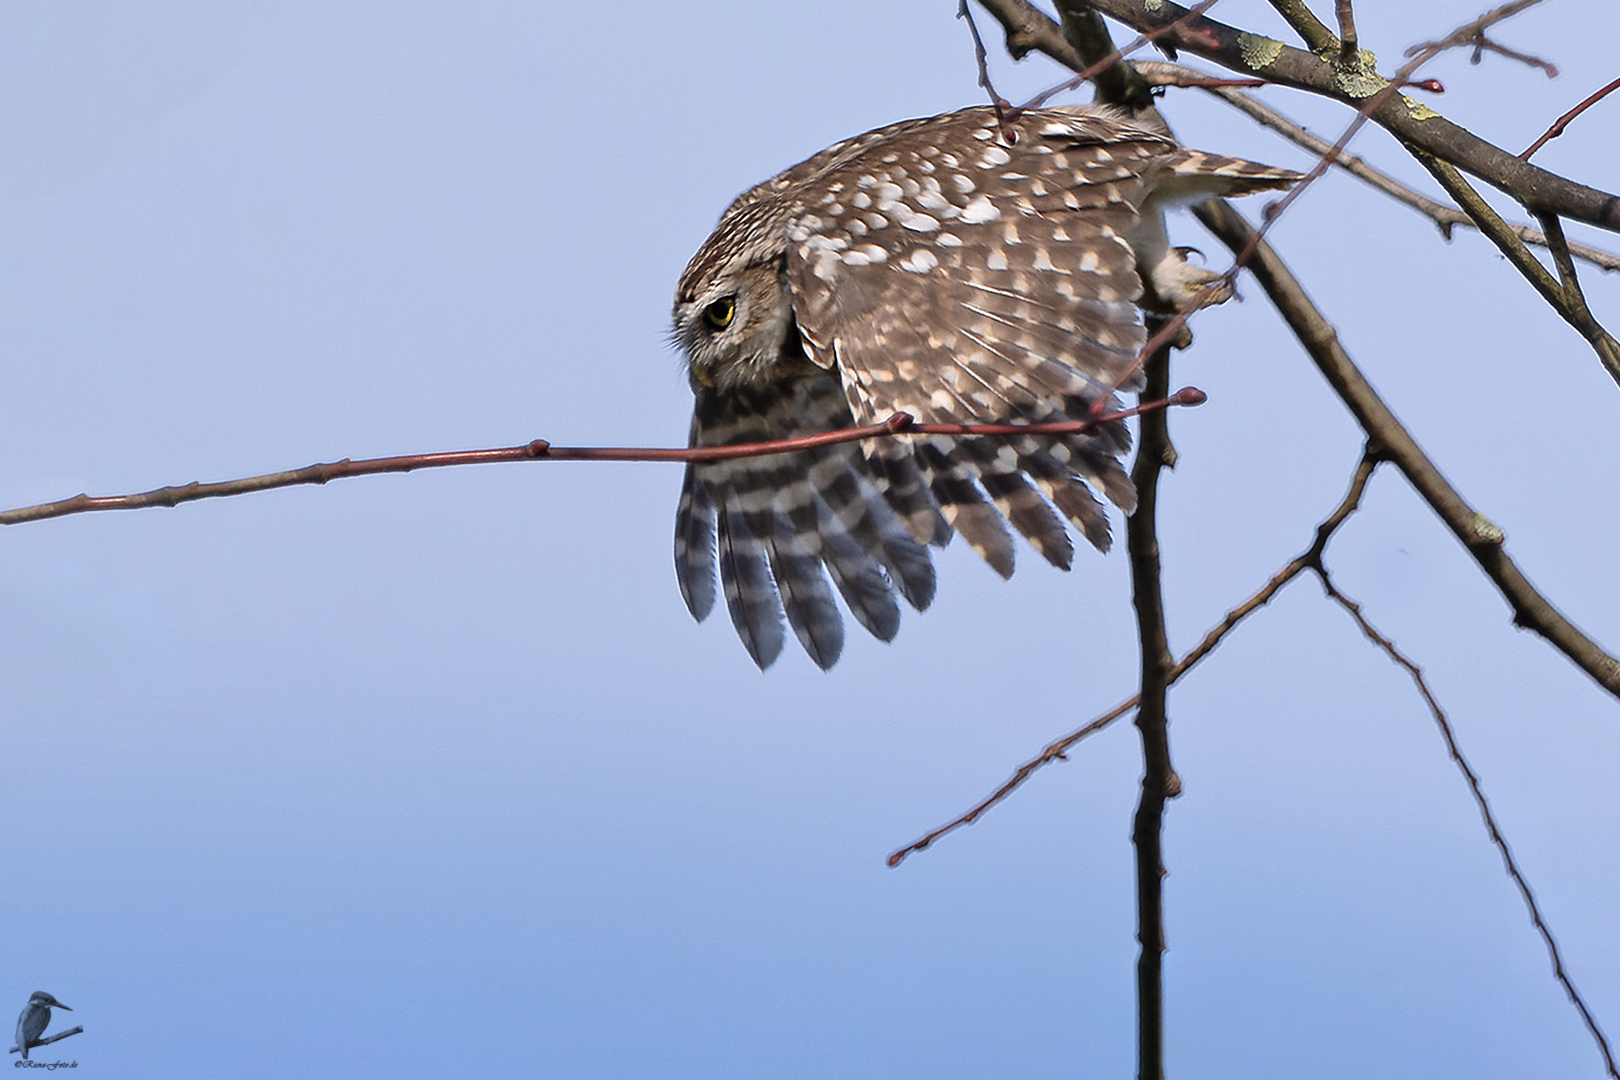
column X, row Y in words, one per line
column 960, row 279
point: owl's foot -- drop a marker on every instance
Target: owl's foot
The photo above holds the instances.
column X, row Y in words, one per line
column 1177, row 284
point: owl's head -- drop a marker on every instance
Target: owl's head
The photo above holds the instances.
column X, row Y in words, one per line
column 733, row 325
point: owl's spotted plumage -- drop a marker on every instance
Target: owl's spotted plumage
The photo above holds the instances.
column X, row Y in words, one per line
column 927, row 267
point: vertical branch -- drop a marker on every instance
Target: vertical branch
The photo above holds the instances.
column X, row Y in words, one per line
column 1347, row 32
column 1159, row 780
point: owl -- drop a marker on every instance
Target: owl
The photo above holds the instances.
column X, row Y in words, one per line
column 954, row 268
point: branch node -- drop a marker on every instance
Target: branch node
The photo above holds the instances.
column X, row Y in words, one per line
column 900, row 421
column 1487, row 532
column 539, row 448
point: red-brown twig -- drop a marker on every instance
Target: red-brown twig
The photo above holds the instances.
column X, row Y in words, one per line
column 541, row 450
column 1563, row 121
column 1485, row 812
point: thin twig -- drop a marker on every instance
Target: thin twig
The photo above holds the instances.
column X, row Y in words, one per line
column 982, row 57
column 1562, row 122
column 1474, row 33
column 541, row 450
column 1536, row 918
column 1446, row 217
column 1579, row 315
column 1483, row 44
column 1058, row 749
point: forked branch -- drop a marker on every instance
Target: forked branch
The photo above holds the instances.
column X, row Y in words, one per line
column 1480, row 537
column 1058, row 749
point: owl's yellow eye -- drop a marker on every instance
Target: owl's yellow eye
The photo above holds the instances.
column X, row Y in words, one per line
column 720, row 313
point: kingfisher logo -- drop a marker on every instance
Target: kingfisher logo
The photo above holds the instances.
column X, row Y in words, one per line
column 31, row 1025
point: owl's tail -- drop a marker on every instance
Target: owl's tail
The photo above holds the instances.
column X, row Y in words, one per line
column 1188, row 176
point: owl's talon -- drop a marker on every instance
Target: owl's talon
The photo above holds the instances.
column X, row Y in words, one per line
column 1179, row 285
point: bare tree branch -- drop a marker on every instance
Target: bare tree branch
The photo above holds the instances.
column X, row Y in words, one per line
column 1058, row 749
column 541, row 450
column 1562, row 122
column 1159, row 780
column 1482, row 539
column 1084, row 27
column 1570, row 305
column 1311, row 30
column 1483, row 45
column 1578, row 314
column 1347, row 31
column 1447, row 217
column 1415, row 124
column 1486, row 815
column 1118, row 82
column 1029, row 29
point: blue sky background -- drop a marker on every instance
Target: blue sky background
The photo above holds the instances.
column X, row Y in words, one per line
column 408, row 775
